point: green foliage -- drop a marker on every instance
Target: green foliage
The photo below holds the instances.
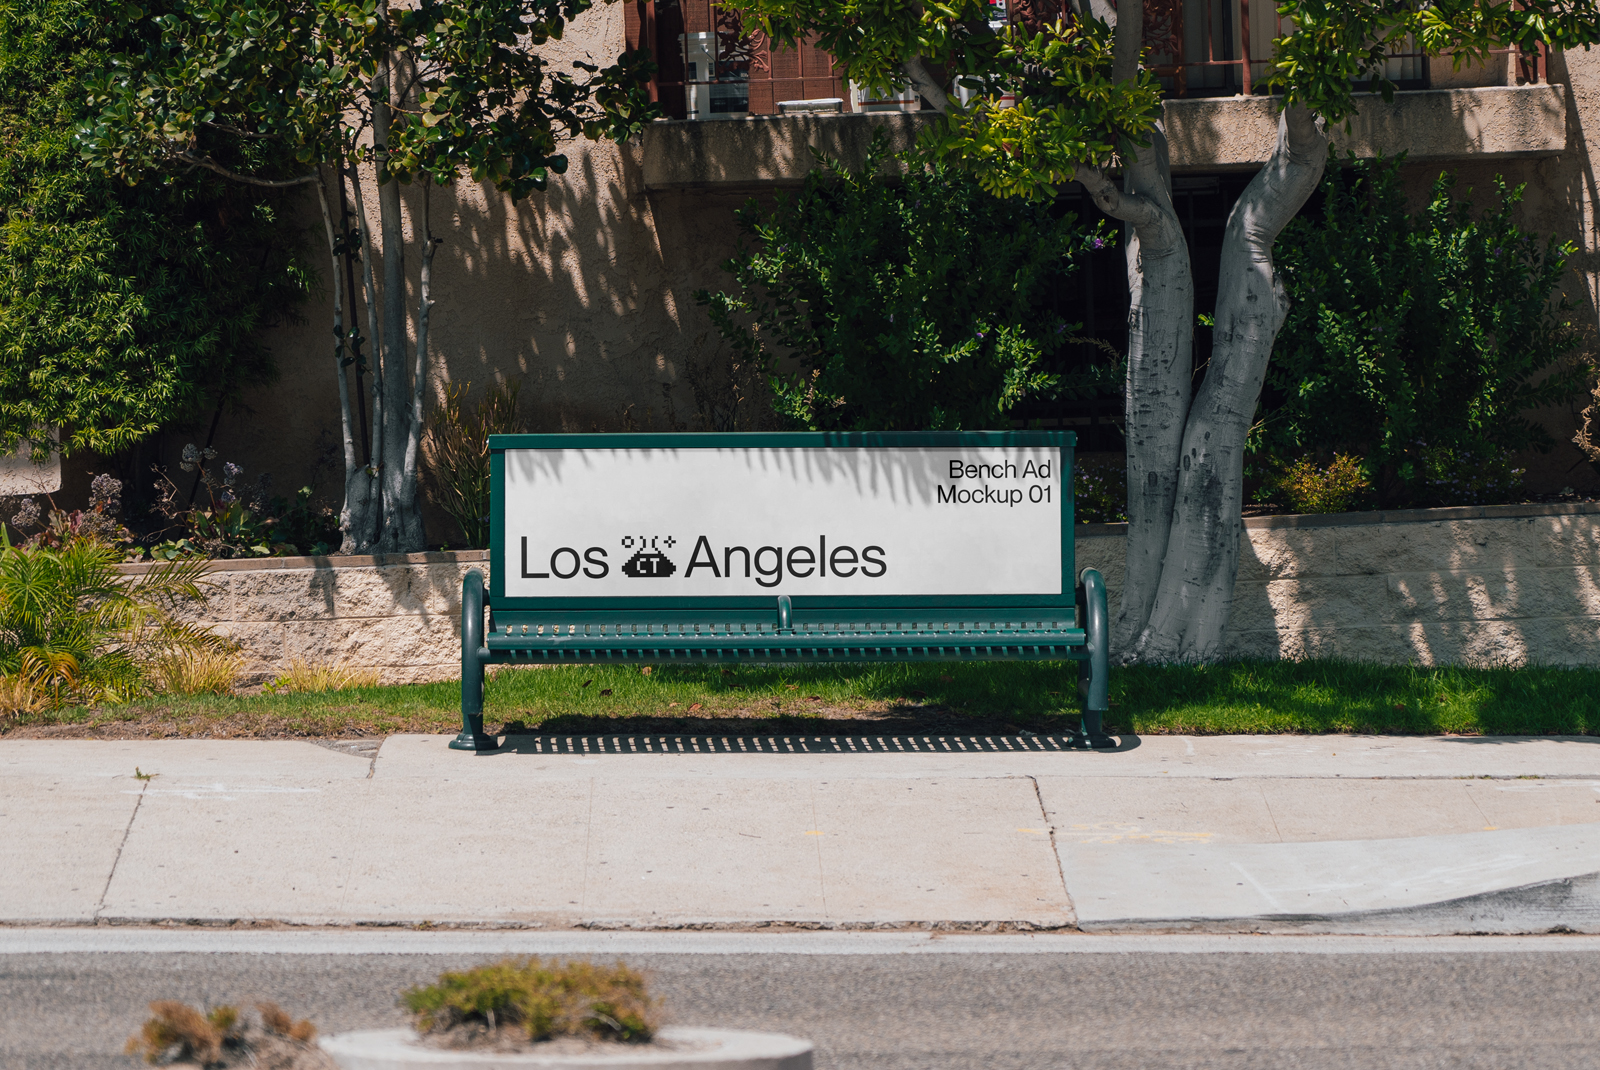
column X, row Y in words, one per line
column 74, row 630
column 916, row 305
column 235, row 520
column 1099, row 491
column 1414, row 332
column 870, row 41
column 1336, row 47
column 1470, row 475
column 456, row 454
column 574, row 999
column 305, row 74
column 1069, row 112
column 1308, row 488
column 122, row 309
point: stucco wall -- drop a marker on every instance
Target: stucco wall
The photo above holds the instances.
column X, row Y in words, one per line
column 1486, row 586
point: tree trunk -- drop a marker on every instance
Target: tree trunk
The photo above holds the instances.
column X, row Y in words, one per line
column 1195, row 594
column 400, row 526
column 1160, row 342
column 409, row 504
column 352, row 463
column 1160, row 359
column 363, row 503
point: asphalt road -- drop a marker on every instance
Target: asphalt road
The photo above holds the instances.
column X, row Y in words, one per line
column 1488, row 1009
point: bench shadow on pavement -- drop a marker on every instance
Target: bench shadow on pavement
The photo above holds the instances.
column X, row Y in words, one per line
column 788, row 735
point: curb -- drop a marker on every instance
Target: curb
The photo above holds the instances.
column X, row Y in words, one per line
column 1564, row 905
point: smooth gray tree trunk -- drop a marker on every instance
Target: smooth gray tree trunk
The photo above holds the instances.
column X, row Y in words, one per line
column 1195, row 595
column 382, row 508
column 400, row 527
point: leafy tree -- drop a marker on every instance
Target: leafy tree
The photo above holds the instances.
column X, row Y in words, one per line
column 912, row 305
column 123, row 309
column 1084, row 102
column 1410, row 334
column 352, row 87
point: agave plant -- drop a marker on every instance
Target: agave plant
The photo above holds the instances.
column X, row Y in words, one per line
column 72, row 629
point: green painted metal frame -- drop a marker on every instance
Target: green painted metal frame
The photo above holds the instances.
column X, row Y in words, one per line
column 788, row 627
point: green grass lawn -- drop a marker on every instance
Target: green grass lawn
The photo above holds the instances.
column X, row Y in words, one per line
column 1231, row 697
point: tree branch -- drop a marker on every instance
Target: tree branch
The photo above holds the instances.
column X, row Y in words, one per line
column 923, row 83
column 1135, row 208
column 249, row 180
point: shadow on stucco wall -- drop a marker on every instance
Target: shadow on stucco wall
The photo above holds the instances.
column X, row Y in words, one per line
column 1501, row 590
column 584, row 293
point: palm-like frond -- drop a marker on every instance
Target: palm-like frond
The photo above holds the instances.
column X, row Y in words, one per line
column 73, row 629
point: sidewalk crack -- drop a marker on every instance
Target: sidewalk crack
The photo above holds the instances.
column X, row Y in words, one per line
column 100, row 907
column 1055, row 848
column 1262, row 788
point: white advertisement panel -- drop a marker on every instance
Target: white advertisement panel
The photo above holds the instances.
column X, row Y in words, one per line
column 768, row 521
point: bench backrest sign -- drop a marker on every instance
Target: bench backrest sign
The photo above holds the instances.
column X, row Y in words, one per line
column 752, row 516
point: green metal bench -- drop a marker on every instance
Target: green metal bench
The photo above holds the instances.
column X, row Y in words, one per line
column 619, row 548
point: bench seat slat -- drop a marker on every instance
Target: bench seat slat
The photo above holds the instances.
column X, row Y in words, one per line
column 1063, row 643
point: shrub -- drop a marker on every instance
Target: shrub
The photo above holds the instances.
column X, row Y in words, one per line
column 1099, row 492
column 304, row 676
column 1467, row 475
column 223, row 1037
column 124, row 309
column 58, row 527
column 181, row 1031
column 1587, row 437
column 73, row 630
column 902, row 306
column 236, row 520
column 1307, row 488
column 1404, row 329
column 455, row 453
column 574, row 999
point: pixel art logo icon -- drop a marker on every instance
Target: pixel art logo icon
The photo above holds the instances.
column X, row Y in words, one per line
column 648, row 562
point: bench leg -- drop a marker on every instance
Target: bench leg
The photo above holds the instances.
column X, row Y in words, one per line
column 1094, row 672
column 473, row 653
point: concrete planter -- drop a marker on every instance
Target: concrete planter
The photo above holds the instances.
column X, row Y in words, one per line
column 684, row 1048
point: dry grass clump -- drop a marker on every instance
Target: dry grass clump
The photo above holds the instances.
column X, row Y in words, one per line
column 575, row 999
column 18, row 696
column 303, row 676
column 195, row 672
column 223, row 1037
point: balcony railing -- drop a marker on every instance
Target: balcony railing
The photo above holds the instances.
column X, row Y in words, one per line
column 1198, row 48
column 744, row 62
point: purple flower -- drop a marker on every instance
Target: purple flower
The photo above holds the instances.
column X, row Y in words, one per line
column 1097, row 243
column 231, row 472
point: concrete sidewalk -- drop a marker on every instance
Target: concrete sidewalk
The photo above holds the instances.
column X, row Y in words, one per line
column 1319, row 834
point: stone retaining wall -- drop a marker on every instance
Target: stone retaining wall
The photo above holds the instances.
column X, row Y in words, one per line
column 1495, row 585
column 1479, row 585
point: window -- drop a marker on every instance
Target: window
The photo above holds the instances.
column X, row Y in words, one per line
column 747, row 75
